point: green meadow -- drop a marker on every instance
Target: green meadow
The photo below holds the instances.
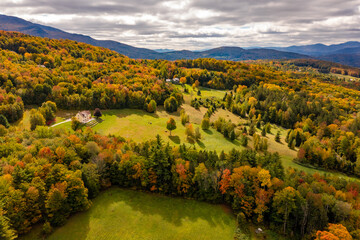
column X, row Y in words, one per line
column 140, row 125
column 132, row 215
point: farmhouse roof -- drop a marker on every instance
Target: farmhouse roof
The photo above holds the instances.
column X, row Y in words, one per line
column 85, row 113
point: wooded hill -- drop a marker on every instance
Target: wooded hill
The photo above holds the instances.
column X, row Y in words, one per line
column 46, row 175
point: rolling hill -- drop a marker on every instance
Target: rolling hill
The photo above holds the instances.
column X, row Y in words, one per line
column 10, row 23
column 345, row 53
column 322, row 49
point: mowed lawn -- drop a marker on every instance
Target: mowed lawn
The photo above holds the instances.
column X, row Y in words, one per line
column 139, row 126
column 131, row 215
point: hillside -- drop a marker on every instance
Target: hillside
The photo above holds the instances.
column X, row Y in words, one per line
column 8, row 23
column 351, row 59
column 254, row 137
column 233, row 54
column 327, row 67
column 345, row 53
column 321, row 49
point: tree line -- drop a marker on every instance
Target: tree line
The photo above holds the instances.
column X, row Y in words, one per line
column 47, row 175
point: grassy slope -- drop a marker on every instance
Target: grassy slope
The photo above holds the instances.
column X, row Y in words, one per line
column 346, row 77
column 140, row 126
column 124, row 213
column 129, row 215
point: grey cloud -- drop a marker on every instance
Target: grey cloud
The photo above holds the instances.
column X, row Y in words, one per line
column 200, row 35
column 232, row 22
column 82, row 6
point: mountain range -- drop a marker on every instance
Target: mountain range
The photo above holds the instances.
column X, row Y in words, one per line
column 346, row 53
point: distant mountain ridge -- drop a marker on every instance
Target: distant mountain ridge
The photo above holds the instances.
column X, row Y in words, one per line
column 345, row 53
column 9, row 23
column 234, row 54
column 320, row 49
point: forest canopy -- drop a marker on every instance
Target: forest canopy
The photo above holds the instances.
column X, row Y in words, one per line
column 46, row 175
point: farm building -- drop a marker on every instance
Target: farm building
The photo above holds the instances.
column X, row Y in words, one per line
column 174, row 80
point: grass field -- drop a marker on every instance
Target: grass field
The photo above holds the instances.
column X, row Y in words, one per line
column 140, row 125
column 131, row 215
column 346, row 77
column 205, row 92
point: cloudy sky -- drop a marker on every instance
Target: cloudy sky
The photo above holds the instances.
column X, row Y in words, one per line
column 198, row 24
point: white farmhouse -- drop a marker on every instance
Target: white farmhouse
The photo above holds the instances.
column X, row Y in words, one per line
column 83, row 116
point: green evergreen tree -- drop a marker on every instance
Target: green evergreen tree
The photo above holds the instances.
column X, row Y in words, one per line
column 232, row 135
column 4, row 121
column 6, row 232
column 277, row 137
column 263, row 132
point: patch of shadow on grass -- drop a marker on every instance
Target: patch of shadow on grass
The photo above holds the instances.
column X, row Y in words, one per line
column 190, row 140
column 175, row 139
column 78, row 224
column 127, row 112
column 157, row 204
column 201, row 144
column 208, row 131
column 99, row 120
column 235, row 142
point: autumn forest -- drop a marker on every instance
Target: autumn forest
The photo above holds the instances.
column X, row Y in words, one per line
column 49, row 174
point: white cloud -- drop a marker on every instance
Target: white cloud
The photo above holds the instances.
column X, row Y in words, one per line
column 197, row 24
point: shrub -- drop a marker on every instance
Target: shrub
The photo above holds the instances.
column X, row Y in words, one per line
column 263, row 132
column 75, row 123
column 205, row 123
column 268, row 127
column 189, row 131
column 3, row 131
column 46, row 229
column 4, row 121
column 97, row 113
column 171, row 104
column 244, row 140
column 151, row 107
column 252, row 130
column 197, row 133
column 232, row 135
column 184, row 118
column 36, row 119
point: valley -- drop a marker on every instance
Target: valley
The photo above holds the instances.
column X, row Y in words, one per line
column 160, row 147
